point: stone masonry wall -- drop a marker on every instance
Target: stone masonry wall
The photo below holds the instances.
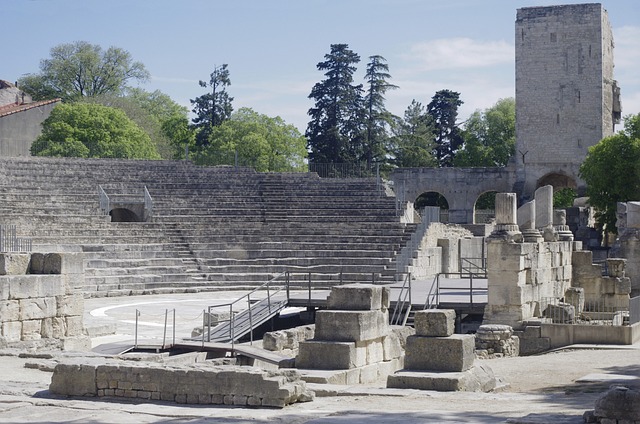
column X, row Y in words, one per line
column 522, row 275
column 564, row 88
column 193, row 384
column 40, row 299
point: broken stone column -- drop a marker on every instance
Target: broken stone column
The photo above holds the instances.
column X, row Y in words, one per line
column 437, row 359
column 618, row 405
column 527, row 223
column 506, row 219
column 544, row 212
column 496, row 341
column 560, row 225
column 354, row 335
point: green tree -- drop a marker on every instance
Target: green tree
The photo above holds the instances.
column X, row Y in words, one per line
column 149, row 110
column 79, row 69
column 264, row 143
column 181, row 136
column 612, row 172
column 94, row 131
column 412, row 143
column 489, row 136
column 378, row 117
column 443, row 110
column 214, row 107
column 335, row 132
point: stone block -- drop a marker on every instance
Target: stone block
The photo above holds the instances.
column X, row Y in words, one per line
column 72, row 304
column 29, row 286
column 479, row 378
column 59, row 327
column 31, row 329
column 14, row 263
column 351, row 326
column 619, row 404
column 52, row 263
column 560, row 313
column 355, row 297
column 4, row 288
column 36, row 265
column 450, row 354
column 323, row 355
column 10, row 310
column 75, row 378
column 435, row 322
column 74, row 326
column 12, row 331
column 37, row 308
column 622, row 285
column 374, row 350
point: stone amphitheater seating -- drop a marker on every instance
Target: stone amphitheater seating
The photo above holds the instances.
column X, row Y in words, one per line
column 211, row 228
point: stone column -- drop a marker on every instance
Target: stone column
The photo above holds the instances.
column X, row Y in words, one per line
column 506, row 219
column 560, row 225
column 544, row 212
column 527, row 222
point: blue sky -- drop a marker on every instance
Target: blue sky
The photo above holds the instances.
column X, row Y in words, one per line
column 272, row 47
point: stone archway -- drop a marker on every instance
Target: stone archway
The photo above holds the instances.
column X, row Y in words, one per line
column 433, row 198
column 557, row 180
column 124, row 215
column 484, row 207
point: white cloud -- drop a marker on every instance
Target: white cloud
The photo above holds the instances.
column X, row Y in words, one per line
column 458, row 53
column 627, row 47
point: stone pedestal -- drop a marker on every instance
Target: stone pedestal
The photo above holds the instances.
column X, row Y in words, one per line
column 506, row 228
column 437, row 359
column 352, row 339
column 496, row 341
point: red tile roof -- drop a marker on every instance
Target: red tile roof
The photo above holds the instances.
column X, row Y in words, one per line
column 15, row 108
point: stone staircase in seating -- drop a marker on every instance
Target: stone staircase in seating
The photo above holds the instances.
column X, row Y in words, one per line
column 212, row 228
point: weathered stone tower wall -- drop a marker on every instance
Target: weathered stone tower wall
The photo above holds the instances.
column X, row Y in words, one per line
column 566, row 98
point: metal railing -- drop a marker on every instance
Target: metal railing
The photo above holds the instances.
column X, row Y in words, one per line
column 437, row 290
column 10, row 242
column 403, row 305
column 473, row 266
column 164, row 333
column 105, row 205
column 237, row 306
column 148, row 202
column 606, row 312
column 634, row 310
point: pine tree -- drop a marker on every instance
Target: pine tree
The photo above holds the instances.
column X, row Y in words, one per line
column 335, row 132
column 378, row 117
column 212, row 108
column 443, row 109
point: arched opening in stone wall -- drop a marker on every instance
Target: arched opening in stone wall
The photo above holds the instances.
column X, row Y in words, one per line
column 433, row 198
column 124, row 215
column 484, row 208
column 558, row 181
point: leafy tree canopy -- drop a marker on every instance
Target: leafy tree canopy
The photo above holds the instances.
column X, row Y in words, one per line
column 264, row 143
column 413, row 143
column 612, row 172
column 489, row 136
column 149, row 110
column 92, row 131
column 80, row 69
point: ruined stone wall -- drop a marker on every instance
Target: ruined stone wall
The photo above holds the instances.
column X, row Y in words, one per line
column 193, row 384
column 564, row 88
column 19, row 130
column 41, row 301
column 521, row 276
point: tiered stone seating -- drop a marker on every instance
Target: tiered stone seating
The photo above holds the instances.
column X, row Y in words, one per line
column 211, row 228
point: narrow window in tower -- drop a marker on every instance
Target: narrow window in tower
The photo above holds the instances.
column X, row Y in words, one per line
column 558, row 119
column 553, row 37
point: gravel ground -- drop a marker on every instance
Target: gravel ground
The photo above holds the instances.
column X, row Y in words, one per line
column 537, row 389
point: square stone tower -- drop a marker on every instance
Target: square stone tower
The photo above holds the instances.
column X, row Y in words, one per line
column 566, row 97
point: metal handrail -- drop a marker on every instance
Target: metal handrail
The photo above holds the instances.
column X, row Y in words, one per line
column 231, row 305
column 148, row 202
column 104, row 200
column 429, row 304
column 404, row 300
column 10, row 242
column 473, row 268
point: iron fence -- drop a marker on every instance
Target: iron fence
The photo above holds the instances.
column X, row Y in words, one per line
column 605, row 311
column 10, row 242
